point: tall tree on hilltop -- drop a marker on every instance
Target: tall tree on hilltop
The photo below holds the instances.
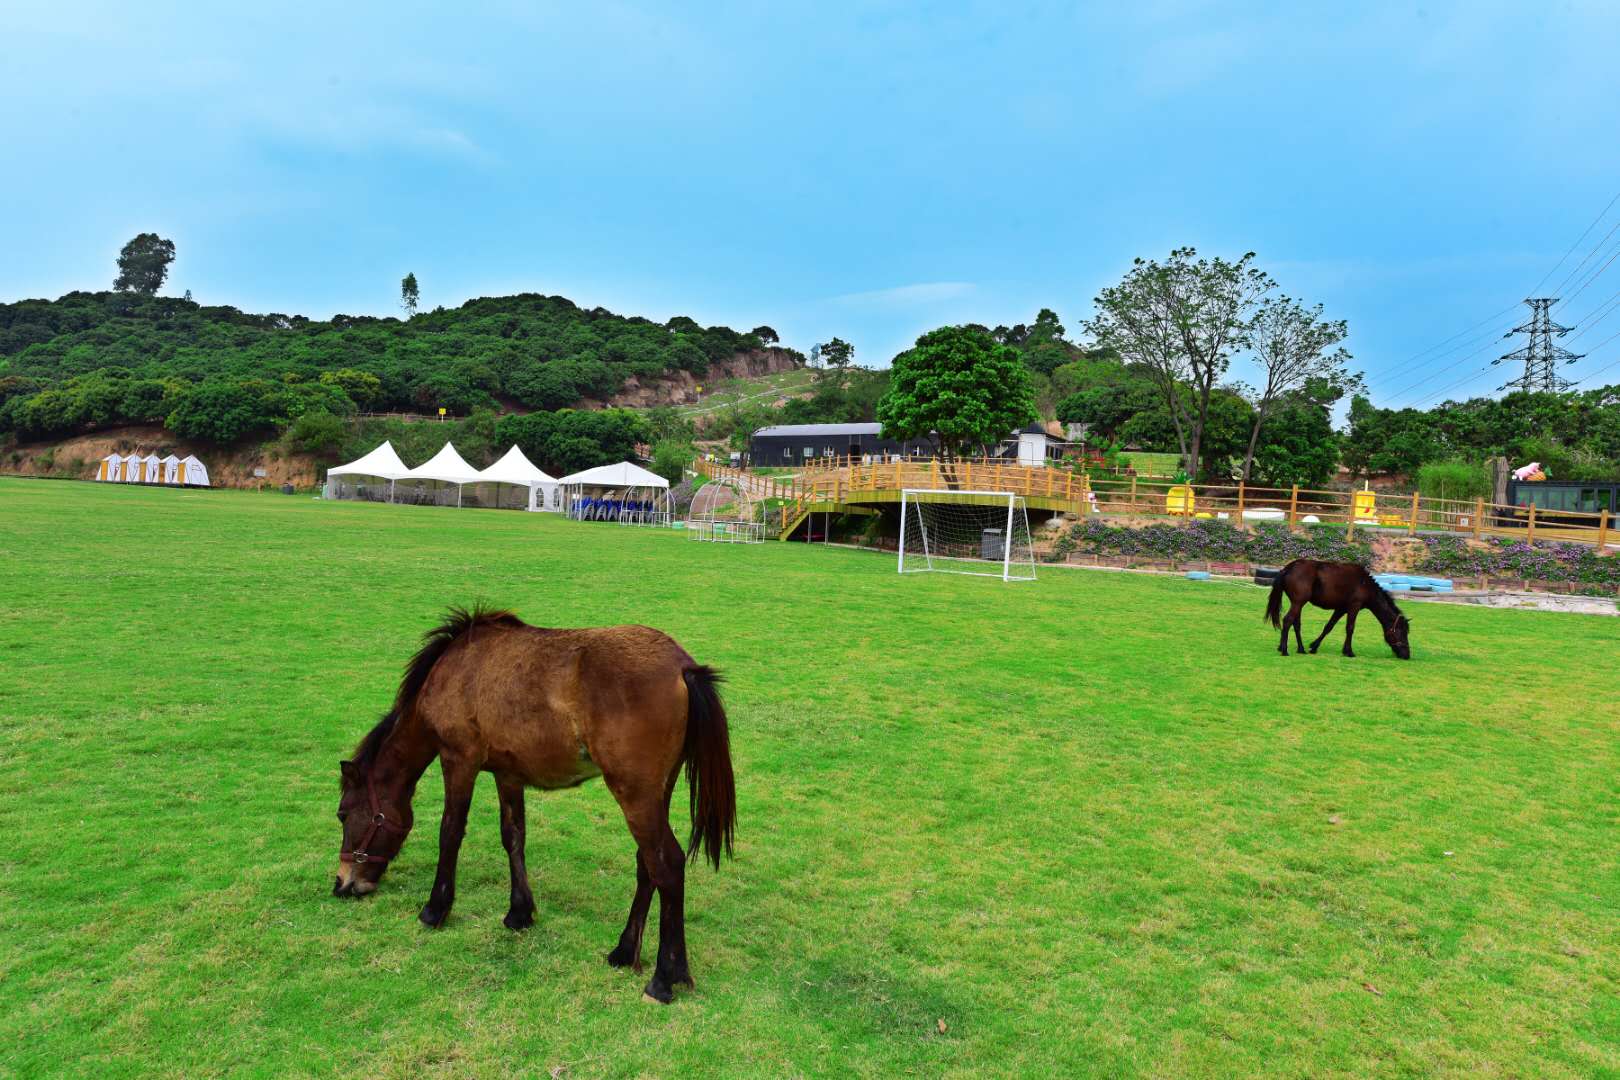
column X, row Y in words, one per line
column 1182, row 319
column 143, row 264
column 836, row 353
column 766, row 335
column 960, row 386
column 1294, row 346
column 409, row 294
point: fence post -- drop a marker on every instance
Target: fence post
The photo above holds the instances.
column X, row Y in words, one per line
column 1411, row 526
column 1133, row 493
column 1293, row 507
column 1239, row 521
column 1530, row 538
column 1603, row 530
column 1479, row 516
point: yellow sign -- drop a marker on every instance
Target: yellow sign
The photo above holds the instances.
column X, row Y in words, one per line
column 441, row 410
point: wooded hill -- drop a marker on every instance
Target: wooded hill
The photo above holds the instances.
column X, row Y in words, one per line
column 92, row 360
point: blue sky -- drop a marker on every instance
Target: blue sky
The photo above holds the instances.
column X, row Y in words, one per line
column 867, row 170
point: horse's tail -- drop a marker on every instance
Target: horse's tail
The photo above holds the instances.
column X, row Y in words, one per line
column 707, row 755
column 458, row 622
column 1274, row 602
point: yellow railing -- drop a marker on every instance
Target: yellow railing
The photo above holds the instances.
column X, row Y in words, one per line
column 837, row 481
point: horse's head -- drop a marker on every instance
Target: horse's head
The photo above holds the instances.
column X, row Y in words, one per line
column 376, row 818
column 1395, row 636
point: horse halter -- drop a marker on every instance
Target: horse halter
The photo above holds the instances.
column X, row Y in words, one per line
column 359, row 855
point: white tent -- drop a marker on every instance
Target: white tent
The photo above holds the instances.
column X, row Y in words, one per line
column 132, row 469
column 622, row 492
column 348, row 481
column 171, row 469
column 151, row 469
column 514, row 470
column 111, row 467
column 193, row 473
column 434, row 477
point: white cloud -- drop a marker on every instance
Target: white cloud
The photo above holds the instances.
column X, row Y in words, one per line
column 926, row 292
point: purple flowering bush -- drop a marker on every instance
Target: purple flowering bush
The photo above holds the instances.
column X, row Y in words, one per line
column 1504, row 558
column 1215, row 541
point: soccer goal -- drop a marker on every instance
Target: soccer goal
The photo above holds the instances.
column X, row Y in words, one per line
column 966, row 532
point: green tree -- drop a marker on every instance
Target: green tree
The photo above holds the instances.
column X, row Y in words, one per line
column 409, row 294
column 958, row 386
column 766, row 335
column 670, row 459
column 836, row 353
column 1299, row 447
column 1181, row 319
column 362, row 387
column 1293, row 345
column 143, row 264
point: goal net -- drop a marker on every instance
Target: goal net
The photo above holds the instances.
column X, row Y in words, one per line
column 966, row 532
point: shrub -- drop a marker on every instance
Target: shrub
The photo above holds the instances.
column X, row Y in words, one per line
column 1205, row 540
column 1454, row 479
column 1505, row 558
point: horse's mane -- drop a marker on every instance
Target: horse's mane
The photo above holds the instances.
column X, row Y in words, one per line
column 1383, row 604
column 457, row 622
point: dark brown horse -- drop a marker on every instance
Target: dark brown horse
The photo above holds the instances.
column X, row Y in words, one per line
column 548, row 709
column 1342, row 588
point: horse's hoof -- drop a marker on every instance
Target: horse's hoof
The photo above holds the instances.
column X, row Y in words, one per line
column 622, row 956
column 431, row 918
column 658, row 994
column 519, row 920
column 1313, row 650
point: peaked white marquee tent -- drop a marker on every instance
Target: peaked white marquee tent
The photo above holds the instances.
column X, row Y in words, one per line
column 151, row 469
column 111, row 467
column 132, row 469
column 623, row 492
column 354, row 480
column 432, row 481
column 520, row 481
column 171, row 469
column 193, row 473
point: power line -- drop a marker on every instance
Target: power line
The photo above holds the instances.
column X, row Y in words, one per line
column 1601, row 215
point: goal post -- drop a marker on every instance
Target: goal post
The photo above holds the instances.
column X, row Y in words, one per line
column 985, row 533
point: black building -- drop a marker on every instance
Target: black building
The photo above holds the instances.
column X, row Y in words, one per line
column 792, row 445
column 1551, row 496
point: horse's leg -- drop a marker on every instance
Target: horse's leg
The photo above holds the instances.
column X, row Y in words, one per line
column 1338, row 613
column 628, row 952
column 1350, row 630
column 1292, row 618
column 459, row 777
column 514, row 831
column 646, row 812
column 1299, row 642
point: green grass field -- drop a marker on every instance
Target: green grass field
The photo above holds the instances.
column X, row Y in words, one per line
column 1093, row 825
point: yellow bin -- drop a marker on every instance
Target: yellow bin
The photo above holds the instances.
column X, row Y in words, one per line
column 1179, row 500
column 1365, row 507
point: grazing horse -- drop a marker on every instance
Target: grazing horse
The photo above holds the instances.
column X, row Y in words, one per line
column 1342, row 588
column 548, row 709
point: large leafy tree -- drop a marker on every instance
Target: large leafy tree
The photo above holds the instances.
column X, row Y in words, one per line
column 959, row 386
column 143, row 264
column 836, row 353
column 410, row 294
column 1293, row 345
column 1182, row 319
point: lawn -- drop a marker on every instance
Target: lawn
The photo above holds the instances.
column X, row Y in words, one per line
column 1092, row 825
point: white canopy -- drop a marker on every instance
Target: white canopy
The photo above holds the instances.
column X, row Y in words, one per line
column 622, row 475
column 172, row 468
column 110, row 467
column 193, row 472
column 151, row 469
column 446, row 466
column 382, row 462
column 515, row 468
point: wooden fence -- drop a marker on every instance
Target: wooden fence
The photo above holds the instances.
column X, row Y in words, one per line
column 1056, row 488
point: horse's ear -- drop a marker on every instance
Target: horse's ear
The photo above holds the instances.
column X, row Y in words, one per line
column 348, row 770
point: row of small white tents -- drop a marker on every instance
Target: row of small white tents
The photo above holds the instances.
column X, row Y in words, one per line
column 513, row 482
column 186, row 471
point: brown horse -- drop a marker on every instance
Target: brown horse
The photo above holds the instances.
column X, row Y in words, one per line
column 548, row 709
column 1342, row 588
